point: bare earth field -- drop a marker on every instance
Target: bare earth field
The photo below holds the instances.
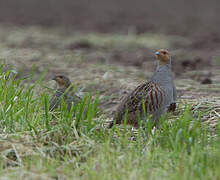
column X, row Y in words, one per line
column 110, row 63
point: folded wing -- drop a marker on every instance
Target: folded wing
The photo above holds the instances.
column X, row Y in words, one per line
column 148, row 97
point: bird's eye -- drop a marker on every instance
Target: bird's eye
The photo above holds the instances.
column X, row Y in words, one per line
column 164, row 52
column 60, row 77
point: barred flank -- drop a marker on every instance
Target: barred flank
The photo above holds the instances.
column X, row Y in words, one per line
column 153, row 97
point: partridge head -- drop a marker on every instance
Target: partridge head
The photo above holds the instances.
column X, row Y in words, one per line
column 163, row 56
column 62, row 81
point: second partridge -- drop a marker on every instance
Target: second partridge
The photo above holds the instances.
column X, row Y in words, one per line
column 65, row 91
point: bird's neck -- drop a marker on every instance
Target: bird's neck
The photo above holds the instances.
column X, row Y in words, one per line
column 63, row 86
column 161, row 65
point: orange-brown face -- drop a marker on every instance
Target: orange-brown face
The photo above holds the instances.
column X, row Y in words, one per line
column 163, row 56
column 62, row 81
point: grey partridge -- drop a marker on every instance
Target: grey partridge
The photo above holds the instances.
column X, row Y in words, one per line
column 150, row 98
column 65, row 91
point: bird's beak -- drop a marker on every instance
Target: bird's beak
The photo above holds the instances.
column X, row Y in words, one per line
column 157, row 53
column 54, row 78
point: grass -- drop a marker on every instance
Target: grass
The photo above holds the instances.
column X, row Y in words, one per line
column 34, row 144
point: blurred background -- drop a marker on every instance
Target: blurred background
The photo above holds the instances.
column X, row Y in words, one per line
column 185, row 17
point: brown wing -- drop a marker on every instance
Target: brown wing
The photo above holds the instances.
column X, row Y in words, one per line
column 149, row 95
column 153, row 99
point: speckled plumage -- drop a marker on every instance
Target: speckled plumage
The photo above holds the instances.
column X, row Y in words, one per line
column 149, row 98
column 64, row 91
